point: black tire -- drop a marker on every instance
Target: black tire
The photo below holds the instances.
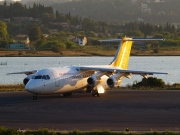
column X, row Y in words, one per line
column 34, row 97
column 95, row 93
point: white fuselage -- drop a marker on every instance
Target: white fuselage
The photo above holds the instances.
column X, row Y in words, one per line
column 94, row 78
column 60, row 80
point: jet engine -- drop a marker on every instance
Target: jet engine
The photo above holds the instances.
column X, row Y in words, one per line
column 95, row 79
column 113, row 82
column 26, row 80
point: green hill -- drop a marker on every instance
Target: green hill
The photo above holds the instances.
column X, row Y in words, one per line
column 124, row 10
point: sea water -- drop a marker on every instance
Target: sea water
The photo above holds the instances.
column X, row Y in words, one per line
column 170, row 64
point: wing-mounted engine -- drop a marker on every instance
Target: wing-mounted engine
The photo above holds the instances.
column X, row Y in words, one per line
column 29, row 74
column 26, row 80
column 95, row 79
column 115, row 80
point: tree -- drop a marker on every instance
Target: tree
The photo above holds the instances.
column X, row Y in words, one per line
column 90, row 34
column 3, row 30
column 150, row 82
column 158, row 36
column 5, row 3
column 47, row 17
column 35, row 34
column 70, row 45
column 135, row 33
column 59, row 47
column 88, row 24
column 57, row 14
column 54, row 45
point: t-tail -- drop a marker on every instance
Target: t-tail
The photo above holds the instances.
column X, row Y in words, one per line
column 121, row 58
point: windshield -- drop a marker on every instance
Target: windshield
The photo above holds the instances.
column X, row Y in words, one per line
column 38, row 77
column 45, row 77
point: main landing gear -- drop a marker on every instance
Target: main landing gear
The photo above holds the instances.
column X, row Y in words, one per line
column 95, row 93
column 91, row 89
column 34, row 97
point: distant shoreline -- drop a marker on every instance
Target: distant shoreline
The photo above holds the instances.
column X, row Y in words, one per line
column 75, row 53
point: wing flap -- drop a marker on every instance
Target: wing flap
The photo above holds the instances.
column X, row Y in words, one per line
column 142, row 72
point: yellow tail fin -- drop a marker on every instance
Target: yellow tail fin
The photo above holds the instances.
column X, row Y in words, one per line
column 122, row 56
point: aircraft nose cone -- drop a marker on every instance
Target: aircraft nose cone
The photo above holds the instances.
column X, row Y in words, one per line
column 29, row 88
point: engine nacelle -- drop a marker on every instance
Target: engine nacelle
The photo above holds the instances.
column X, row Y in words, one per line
column 113, row 82
column 93, row 81
column 26, row 80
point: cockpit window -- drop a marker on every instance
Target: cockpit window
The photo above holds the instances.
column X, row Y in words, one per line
column 47, row 77
column 38, row 77
column 44, row 77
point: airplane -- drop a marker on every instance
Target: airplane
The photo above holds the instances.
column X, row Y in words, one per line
column 95, row 78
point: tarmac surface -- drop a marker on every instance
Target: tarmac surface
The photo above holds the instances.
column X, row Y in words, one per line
column 115, row 110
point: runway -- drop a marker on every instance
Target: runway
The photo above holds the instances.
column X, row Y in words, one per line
column 115, row 110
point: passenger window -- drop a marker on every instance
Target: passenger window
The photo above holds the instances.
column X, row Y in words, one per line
column 44, row 77
column 47, row 77
column 38, row 77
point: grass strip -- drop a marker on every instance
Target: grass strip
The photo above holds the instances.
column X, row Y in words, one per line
column 12, row 87
column 7, row 131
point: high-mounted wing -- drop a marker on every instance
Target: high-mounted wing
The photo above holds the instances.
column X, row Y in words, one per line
column 24, row 72
column 117, row 70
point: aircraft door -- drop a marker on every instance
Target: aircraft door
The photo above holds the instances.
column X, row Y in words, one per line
column 57, row 79
column 58, row 82
column 46, row 82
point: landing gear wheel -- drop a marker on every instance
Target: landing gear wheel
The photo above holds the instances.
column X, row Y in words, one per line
column 67, row 94
column 89, row 89
column 34, row 97
column 95, row 93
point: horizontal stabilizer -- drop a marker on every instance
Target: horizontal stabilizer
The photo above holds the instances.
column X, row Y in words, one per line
column 110, row 40
column 132, row 39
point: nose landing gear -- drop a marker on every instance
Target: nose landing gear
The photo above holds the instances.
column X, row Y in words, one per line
column 67, row 94
column 34, row 97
